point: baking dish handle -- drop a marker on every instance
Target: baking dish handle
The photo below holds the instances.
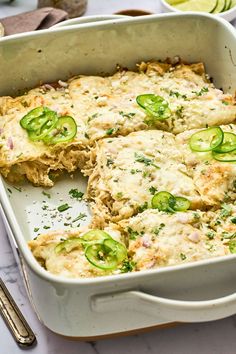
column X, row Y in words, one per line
column 168, row 309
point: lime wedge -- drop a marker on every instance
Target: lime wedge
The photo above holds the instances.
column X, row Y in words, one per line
column 198, row 5
column 175, row 2
column 233, row 3
column 220, row 7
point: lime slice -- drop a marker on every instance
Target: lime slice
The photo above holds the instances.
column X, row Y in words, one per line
column 220, row 7
column 233, row 3
column 227, row 5
column 198, row 5
column 175, row 2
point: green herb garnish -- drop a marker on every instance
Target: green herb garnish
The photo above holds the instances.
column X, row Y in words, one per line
column 232, row 246
column 46, row 194
column 74, row 193
column 80, row 217
column 152, row 190
column 128, row 266
column 46, row 227
column 183, row 256
column 110, row 131
column 63, row 207
column 127, row 115
column 201, row 92
column 132, row 234
column 145, row 160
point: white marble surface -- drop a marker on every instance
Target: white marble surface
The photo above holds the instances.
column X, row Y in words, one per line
column 206, row 338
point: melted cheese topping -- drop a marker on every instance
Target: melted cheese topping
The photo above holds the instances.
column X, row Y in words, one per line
column 103, row 106
column 154, row 239
column 19, row 156
column 159, row 239
column 130, row 170
column 214, row 180
column 71, row 264
column 139, row 157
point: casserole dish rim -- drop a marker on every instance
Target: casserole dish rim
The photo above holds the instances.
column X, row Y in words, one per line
column 116, row 21
column 9, row 213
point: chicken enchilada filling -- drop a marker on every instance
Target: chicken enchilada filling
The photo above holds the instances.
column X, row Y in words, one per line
column 159, row 148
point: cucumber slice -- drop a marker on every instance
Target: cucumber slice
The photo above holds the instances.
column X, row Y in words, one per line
column 198, row 5
column 220, row 7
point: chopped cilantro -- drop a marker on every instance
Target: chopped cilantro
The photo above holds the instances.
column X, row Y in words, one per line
column 143, row 207
column 109, row 162
column 52, row 176
column 152, row 190
column 46, row 194
column 25, row 104
column 225, row 211
column 127, row 115
column 225, row 103
column 95, row 115
column 233, row 220
column 133, row 171
column 210, row 235
column 63, row 207
column 177, row 94
column 210, row 248
column 183, row 256
column 128, row 266
column 119, row 195
column 80, row 217
column 179, row 111
column 145, row 174
column 110, row 131
column 132, row 234
column 74, row 193
column 17, row 189
column 226, row 235
column 36, row 229
column 145, row 160
column 157, row 230
column 9, row 190
column 46, row 227
column 201, row 92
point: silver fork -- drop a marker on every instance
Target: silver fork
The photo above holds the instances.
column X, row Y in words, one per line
column 14, row 319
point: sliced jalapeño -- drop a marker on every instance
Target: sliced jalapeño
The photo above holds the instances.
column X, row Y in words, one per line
column 155, row 106
column 207, row 139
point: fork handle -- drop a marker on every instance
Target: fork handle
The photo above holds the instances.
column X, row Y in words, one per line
column 14, row 319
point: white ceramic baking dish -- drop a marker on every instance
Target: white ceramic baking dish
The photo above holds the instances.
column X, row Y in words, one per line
column 89, row 308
